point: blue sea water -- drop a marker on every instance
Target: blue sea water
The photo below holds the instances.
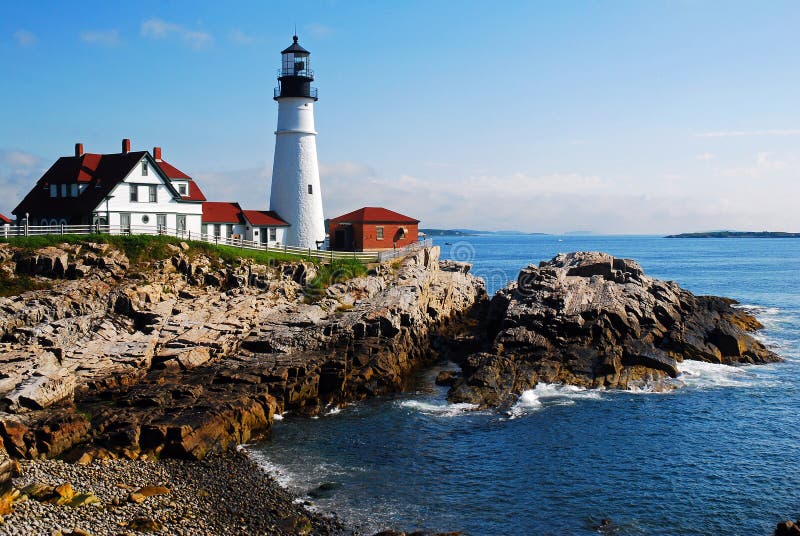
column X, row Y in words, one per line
column 721, row 455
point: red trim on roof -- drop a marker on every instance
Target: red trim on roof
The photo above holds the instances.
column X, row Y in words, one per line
column 268, row 218
column 222, row 212
column 374, row 215
column 3, row 219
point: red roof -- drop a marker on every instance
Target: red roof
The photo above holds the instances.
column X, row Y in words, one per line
column 3, row 219
column 222, row 212
column 195, row 193
column 264, row 217
column 171, row 171
column 374, row 215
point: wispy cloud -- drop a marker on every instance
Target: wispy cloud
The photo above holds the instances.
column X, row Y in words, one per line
column 318, row 30
column 744, row 133
column 706, row 156
column 155, row 28
column 18, row 173
column 25, row 38
column 241, row 38
column 107, row 38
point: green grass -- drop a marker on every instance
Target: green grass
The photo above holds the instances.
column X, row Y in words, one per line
column 338, row 271
column 14, row 286
column 147, row 248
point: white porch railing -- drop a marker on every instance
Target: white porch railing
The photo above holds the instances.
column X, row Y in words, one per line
column 10, row 231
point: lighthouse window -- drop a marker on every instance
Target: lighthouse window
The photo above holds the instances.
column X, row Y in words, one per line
column 310, row 189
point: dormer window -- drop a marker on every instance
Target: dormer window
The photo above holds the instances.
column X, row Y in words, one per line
column 144, row 168
column 182, row 189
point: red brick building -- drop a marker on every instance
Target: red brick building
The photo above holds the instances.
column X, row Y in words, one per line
column 372, row 228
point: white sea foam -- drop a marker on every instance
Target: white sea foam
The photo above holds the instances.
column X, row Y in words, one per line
column 277, row 417
column 551, row 394
column 334, row 410
column 702, row 375
column 441, row 410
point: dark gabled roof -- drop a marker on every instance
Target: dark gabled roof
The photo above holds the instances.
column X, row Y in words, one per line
column 222, row 212
column 294, row 47
column 264, row 217
column 100, row 172
column 3, row 219
column 374, row 215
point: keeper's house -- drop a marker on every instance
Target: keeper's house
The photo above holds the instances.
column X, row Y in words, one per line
column 222, row 219
column 5, row 223
column 371, row 229
column 131, row 189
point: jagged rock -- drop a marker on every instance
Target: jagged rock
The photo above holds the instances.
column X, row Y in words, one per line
column 787, row 528
column 593, row 320
column 158, row 363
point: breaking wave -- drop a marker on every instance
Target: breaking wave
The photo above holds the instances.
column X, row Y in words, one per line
column 551, row 394
column 440, row 409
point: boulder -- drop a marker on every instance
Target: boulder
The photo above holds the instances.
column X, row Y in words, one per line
column 593, row 320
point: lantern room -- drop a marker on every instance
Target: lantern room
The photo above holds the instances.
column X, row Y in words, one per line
column 295, row 74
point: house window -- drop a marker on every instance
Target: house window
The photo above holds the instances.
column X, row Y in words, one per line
column 217, row 230
column 153, row 190
column 64, row 190
column 182, row 189
column 134, row 193
column 145, row 219
column 144, row 168
column 74, row 192
column 54, row 190
column 273, row 234
column 310, row 189
column 181, row 222
column 379, row 233
column 228, row 230
column 161, row 221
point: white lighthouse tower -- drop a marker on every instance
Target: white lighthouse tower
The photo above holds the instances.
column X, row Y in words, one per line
column 296, row 194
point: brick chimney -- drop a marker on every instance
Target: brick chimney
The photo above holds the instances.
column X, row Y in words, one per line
column 157, row 153
column 126, row 145
column 78, row 149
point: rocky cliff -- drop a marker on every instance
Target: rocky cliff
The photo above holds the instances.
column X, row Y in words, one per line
column 187, row 355
column 593, row 320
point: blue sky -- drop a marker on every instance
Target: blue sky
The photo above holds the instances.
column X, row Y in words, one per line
column 619, row 117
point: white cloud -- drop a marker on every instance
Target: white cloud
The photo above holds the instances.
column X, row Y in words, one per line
column 743, row 133
column 241, row 38
column 249, row 187
column 706, row 156
column 155, row 28
column 25, row 38
column 108, row 38
column 19, row 171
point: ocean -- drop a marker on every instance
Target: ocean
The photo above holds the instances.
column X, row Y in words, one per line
column 720, row 455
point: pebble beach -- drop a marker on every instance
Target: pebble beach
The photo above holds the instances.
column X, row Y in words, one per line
column 222, row 494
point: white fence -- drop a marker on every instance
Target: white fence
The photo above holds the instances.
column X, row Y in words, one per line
column 9, row 231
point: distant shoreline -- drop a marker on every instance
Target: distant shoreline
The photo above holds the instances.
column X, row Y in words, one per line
column 736, row 234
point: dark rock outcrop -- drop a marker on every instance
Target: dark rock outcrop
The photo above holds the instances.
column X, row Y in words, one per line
column 189, row 356
column 592, row 320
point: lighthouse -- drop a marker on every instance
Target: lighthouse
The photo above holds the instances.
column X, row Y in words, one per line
column 295, row 193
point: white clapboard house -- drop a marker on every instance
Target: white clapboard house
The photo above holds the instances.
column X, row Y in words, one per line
column 129, row 189
column 223, row 219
